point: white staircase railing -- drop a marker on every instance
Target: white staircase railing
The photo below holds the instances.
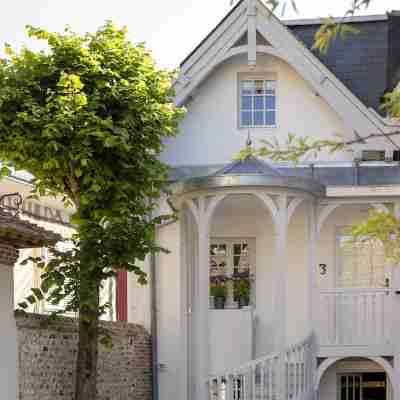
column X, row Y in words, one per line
column 283, row 376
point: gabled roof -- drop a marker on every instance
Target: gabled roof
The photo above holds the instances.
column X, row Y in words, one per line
column 250, row 165
column 253, row 18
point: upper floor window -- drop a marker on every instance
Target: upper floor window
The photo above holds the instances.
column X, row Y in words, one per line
column 257, row 103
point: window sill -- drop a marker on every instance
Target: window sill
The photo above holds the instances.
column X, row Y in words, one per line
column 258, row 127
column 243, row 309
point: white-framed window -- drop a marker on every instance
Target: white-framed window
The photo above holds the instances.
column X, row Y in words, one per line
column 361, row 265
column 257, row 103
column 231, row 265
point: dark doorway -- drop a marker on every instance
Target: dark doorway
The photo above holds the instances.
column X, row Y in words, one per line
column 374, row 386
column 362, row 386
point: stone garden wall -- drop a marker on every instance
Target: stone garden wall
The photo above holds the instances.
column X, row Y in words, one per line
column 47, row 355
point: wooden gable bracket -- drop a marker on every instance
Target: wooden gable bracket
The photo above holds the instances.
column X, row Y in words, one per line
column 252, row 33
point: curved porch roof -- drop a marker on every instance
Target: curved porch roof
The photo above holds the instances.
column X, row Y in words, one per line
column 251, row 172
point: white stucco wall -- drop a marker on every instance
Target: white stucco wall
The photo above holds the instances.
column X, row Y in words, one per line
column 210, row 134
column 230, row 339
column 170, row 313
column 139, row 298
column 8, row 340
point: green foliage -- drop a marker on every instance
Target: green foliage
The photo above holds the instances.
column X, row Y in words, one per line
column 242, row 289
column 328, row 33
column 294, row 148
column 391, row 103
column 88, row 118
column 382, row 227
column 218, row 289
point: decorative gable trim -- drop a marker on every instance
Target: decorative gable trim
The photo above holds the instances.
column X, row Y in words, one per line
column 252, row 18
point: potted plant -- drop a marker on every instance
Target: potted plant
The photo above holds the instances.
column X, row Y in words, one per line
column 218, row 291
column 242, row 292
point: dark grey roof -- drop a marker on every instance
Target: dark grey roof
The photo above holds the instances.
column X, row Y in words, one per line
column 368, row 63
column 248, row 166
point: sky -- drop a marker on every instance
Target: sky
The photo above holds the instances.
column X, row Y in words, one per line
column 170, row 28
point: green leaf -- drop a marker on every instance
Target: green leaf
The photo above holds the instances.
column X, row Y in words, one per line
column 23, row 305
column 31, row 299
column 38, row 293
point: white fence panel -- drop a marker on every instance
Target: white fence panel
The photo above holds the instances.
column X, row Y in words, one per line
column 354, row 316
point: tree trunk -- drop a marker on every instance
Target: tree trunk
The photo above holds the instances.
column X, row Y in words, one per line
column 86, row 368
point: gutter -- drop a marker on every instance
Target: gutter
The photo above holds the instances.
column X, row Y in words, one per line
column 154, row 326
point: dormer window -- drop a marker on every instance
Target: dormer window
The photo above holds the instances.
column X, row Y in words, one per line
column 257, row 103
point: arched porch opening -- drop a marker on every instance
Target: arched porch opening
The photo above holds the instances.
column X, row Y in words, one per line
column 243, row 227
column 356, row 378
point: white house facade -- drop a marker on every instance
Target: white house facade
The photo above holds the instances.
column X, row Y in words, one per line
column 303, row 314
column 260, row 297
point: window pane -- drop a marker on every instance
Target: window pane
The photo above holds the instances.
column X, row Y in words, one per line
column 270, row 118
column 271, row 103
column 259, row 103
column 259, row 86
column 246, row 118
column 247, row 87
column 246, row 102
column 259, row 118
column 270, row 87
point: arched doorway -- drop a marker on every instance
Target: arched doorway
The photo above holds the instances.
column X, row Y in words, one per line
column 356, row 378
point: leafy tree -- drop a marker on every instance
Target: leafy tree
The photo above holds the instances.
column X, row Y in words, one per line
column 87, row 117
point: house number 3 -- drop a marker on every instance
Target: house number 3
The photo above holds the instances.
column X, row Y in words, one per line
column 323, row 269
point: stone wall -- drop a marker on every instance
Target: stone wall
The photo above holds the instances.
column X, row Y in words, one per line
column 47, row 354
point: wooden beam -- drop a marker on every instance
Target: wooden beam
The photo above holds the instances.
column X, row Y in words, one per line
column 252, row 32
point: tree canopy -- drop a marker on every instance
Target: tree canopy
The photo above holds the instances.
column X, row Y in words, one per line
column 87, row 118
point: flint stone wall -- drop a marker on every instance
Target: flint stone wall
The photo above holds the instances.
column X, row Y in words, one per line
column 47, row 355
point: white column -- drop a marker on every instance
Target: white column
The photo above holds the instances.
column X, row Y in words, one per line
column 8, row 337
column 201, row 303
column 280, row 274
column 312, row 262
